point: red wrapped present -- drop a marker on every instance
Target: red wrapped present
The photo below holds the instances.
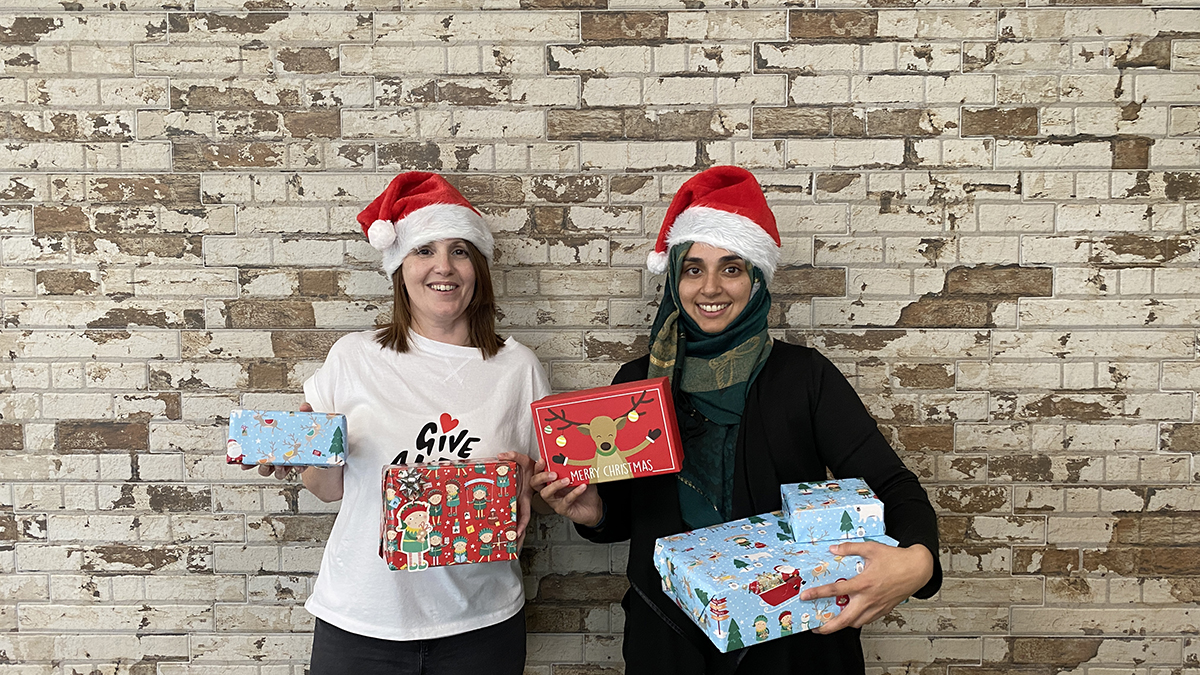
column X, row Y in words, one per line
column 610, row 433
column 449, row 513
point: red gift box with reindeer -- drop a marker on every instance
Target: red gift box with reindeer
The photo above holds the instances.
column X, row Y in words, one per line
column 610, row 433
column 449, row 513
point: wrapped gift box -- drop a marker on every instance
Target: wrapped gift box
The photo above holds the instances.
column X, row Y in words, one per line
column 840, row 509
column 449, row 513
column 286, row 437
column 740, row 582
column 610, row 433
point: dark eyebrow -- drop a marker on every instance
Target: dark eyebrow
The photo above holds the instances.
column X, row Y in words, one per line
column 723, row 260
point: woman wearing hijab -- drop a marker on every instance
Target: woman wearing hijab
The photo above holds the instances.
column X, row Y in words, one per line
column 753, row 414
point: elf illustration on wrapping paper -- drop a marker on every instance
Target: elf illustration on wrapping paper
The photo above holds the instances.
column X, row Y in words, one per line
column 415, row 540
column 452, row 497
column 607, row 458
column 460, row 549
column 435, row 546
column 479, row 498
column 485, row 544
column 435, row 506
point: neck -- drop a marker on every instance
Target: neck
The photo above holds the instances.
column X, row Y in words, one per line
column 451, row 333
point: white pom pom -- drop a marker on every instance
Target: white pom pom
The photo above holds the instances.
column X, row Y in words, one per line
column 656, row 262
column 381, row 234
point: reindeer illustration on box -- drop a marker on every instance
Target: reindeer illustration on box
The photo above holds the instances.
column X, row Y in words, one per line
column 642, row 408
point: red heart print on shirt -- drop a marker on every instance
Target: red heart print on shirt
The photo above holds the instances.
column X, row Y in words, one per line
column 448, row 422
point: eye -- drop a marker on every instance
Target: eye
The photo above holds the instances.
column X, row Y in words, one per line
column 423, row 250
column 734, row 270
column 691, row 270
column 460, row 251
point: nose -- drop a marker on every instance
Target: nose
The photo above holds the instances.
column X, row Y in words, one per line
column 605, row 446
column 710, row 285
column 441, row 261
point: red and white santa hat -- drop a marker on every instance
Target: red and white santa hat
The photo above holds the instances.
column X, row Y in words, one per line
column 724, row 207
column 417, row 208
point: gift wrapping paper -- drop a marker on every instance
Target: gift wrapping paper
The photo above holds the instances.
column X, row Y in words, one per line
column 286, row 437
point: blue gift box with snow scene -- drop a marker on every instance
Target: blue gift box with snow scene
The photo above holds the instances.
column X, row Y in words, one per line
column 286, row 438
column 835, row 509
column 740, row 582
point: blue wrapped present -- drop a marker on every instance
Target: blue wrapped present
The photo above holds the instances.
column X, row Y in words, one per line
column 740, row 582
column 286, row 437
column 842, row 509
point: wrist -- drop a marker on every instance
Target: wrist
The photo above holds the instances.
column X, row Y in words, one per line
column 599, row 521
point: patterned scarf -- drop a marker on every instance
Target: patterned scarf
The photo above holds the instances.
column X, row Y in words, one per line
column 711, row 373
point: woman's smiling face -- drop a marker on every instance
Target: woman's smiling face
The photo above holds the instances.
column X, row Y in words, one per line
column 714, row 286
column 440, row 281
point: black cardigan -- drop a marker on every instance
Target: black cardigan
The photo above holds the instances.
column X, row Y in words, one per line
column 801, row 416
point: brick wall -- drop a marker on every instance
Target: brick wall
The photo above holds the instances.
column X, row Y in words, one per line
column 990, row 218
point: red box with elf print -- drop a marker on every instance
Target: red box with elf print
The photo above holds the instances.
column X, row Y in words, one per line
column 610, row 433
column 448, row 513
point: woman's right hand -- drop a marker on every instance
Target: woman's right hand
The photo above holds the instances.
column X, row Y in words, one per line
column 581, row 504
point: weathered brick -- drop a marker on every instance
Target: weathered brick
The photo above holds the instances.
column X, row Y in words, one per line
column 999, row 281
column 623, row 27
column 581, row 588
column 1002, row 122
column 100, row 436
column 832, row 25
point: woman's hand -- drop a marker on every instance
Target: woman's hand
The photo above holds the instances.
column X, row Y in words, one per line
column 581, row 504
column 524, row 471
column 890, row 576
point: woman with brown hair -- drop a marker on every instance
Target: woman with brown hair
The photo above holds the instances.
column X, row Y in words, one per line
column 436, row 383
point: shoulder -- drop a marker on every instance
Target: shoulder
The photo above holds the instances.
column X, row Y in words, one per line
column 517, row 355
column 636, row 369
column 355, row 343
column 790, row 364
column 790, row 355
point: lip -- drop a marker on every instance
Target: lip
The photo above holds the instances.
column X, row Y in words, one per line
column 715, row 309
column 447, row 287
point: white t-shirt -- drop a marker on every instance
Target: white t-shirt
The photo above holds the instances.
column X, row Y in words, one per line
column 434, row 397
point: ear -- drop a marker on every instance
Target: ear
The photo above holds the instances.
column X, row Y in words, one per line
column 584, row 429
column 621, row 423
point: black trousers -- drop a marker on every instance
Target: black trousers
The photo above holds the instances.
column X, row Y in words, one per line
column 495, row 650
column 654, row 647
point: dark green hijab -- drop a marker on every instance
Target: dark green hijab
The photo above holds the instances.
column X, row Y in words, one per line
column 710, row 374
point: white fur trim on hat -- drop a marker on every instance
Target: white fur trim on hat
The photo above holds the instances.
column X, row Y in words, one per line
column 432, row 223
column 381, row 234
column 729, row 231
column 657, row 262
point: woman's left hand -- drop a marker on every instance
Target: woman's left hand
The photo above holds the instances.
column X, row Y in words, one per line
column 890, row 575
column 524, row 495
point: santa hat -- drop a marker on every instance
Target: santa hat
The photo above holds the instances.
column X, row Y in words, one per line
column 417, row 208
column 723, row 207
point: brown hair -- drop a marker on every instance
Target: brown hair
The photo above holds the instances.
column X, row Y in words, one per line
column 481, row 311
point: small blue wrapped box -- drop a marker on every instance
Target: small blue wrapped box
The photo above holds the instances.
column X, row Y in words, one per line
column 286, row 438
column 741, row 581
column 840, row 509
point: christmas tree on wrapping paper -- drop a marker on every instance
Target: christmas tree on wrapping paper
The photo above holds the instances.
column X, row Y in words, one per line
column 740, row 564
column 336, row 447
column 847, row 526
column 735, row 636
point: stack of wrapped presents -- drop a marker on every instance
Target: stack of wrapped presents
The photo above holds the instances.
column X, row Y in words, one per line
column 740, row 582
